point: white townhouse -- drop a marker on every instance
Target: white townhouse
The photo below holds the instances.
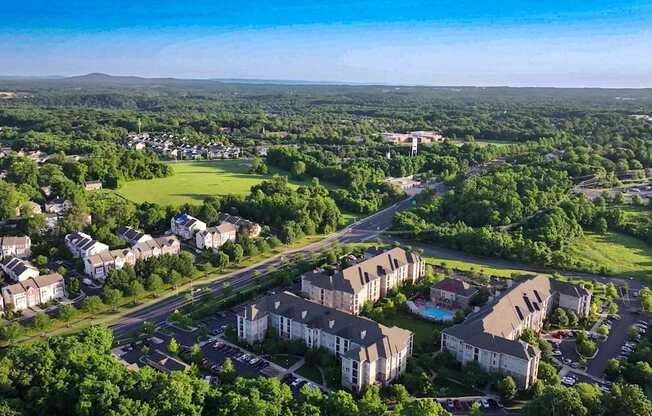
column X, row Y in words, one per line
column 17, row 269
column 244, row 226
column 82, row 245
column 185, row 226
column 34, row 291
column 215, row 237
column 490, row 336
column 370, row 353
column 132, row 236
column 101, row 264
column 369, row 280
column 20, row 247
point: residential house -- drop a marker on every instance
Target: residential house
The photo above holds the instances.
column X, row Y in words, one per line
column 99, row 265
column 91, row 186
column 34, row 291
column 185, row 226
column 20, row 247
column 58, row 206
column 132, row 236
column 422, row 137
column 349, row 289
column 452, row 293
column 160, row 246
column 370, row 353
column 245, row 227
column 215, row 237
column 490, row 336
column 17, row 269
column 82, row 245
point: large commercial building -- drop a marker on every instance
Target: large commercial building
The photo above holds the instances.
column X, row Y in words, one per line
column 370, row 353
column 369, row 280
column 490, row 336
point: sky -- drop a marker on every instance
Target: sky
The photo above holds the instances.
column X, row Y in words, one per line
column 586, row 43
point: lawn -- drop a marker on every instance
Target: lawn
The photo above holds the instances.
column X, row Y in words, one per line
column 466, row 266
column 422, row 329
column 284, row 360
column 192, row 182
column 310, row 372
column 622, row 255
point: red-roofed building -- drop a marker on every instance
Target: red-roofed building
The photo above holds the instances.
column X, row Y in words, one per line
column 452, row 292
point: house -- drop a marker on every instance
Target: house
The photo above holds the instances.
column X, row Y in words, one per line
column 452, row 293
column 101, row 264
column 58, row 206
column 165, row 362
column 132, row 236
column 82, row 245
column 34, row 291
column 185, row 226
column 245, row 227
column 17, row 269
column 215, row 237
column 349, row 289
column 490, row 336
column 20, row 247
column 370, row 353
column 91, row 186
column 160, row 246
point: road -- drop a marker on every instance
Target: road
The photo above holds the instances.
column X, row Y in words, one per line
column 364, row 230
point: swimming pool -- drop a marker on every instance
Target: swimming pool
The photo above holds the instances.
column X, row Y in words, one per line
column 437, row 313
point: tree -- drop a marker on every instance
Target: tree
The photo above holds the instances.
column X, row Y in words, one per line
column 613, row 308
column 112, row 297
column 258, row 167
column 611, row 291
column 601, row 226
column 548, row 374
column 591, row 397
column 154, row 283
column 66, row 312
column 92, row 304
column 298, row 169
column 586, row 347
column 196, row 353
column 220, row 259
column 632, row 332
column 613, row 369
column 173, row 346
column 557, row 400
column 626, row 400
column 507, row 388
column 423, row 407
column 227, row 373
column 340, row 403
column 476, row 409
column 398, row 393
column 603, row 330
column 11, row 332
column 371, row 404
column 559, row 318
column 136, row 290
column 147, row 328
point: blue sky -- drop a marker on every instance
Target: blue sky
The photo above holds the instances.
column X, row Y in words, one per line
column 534, row 43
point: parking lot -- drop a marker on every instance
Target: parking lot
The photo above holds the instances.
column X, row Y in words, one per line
column 463, row 405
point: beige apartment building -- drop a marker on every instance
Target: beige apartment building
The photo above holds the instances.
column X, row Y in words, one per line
column 349, row 289
column 370, row 353
column 490, row 336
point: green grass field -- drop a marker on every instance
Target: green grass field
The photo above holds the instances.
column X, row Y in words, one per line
column 623, row 255
column 192, row 182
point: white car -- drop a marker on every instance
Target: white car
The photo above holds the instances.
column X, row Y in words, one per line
column 484, row 403
column 555, row 353
column 254, row 360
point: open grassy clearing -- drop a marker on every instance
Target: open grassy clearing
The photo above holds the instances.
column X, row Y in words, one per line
column 622, row 255
column 423, row 330
column 466, row 266
column 193, row 182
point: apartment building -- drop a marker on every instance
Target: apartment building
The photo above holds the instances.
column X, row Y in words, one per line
column 158, row 246
column 185, row 226
column 20, row 247
column 370, row 353
column 215, row 237
column 490, row 336
column 369, row 280
column 34, row 291
column 82, row 245
column 17, row 269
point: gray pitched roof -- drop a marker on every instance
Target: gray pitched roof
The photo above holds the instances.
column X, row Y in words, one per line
column 375, row 339
column 351, row 279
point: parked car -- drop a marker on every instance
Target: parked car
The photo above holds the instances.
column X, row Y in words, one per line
column 556, row 353
column 450, row 405
column 484, row 403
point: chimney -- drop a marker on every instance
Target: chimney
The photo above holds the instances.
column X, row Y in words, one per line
column 331, row 323
column 304, row 314
column 277, row 304
column 363, row 334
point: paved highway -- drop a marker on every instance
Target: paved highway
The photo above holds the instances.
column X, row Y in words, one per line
column 364, row 230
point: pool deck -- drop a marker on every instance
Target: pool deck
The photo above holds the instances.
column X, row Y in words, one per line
column 418, row 308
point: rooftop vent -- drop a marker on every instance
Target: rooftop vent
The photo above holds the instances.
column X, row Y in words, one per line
column 331, row 323
column 363, row 334
column 277, row 304
column 304, row 314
